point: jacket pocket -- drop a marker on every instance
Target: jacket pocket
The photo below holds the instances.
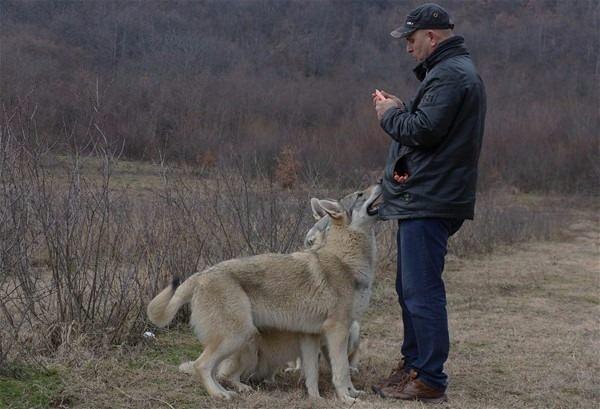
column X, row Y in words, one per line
column 400, row 166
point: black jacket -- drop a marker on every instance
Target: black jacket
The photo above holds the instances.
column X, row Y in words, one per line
column 437, row 139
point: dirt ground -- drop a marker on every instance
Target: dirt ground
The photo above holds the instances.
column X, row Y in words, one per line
column 524, row 328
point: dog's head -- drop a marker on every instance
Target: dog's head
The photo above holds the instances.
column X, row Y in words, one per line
column 363, row 209
column 358, row 209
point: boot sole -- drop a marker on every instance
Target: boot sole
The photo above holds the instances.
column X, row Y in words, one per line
column 441, row 399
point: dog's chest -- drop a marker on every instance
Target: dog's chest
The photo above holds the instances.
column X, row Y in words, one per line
column 363, row 286
column 362, row 294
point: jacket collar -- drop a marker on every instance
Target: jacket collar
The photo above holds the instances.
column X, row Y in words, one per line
column 448, row 48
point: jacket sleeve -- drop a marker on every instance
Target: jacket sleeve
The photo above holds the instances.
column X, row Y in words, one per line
column 427, row 123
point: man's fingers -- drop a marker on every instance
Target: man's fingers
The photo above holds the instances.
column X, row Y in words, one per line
column 375, row 97
column 388, row 95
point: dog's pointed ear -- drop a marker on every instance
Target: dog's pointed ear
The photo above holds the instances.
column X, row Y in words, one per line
column 333, row 209
column 318, row 212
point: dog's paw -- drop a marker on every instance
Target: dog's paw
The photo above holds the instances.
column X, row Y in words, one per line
column 225, row 395
column 187, row 367
column 348, row 399
column 355, row 393
column 242, row 387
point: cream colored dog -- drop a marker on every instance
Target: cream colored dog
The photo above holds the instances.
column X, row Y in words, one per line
column 314, row 293
column 275, row 349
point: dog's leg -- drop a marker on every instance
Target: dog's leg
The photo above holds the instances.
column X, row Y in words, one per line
column 353, row 358
column 204, row 368
column 231, row 370
column 245, row 362
column 309, row 350
column 238, row 384
column 336, row 334
column 353, row 346
column 222, row 319
column 206, row 365
column 325, row 352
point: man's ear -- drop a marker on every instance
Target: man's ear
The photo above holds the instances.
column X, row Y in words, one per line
column 318, row 212
column 432, row 38
column 333, row 209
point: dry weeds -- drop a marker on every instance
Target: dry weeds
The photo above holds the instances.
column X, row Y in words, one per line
column 524, row 328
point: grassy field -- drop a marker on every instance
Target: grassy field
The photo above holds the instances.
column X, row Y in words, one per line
column 524, row 327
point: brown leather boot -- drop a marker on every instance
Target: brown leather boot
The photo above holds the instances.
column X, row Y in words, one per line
column 397, row 379
column 416, row 389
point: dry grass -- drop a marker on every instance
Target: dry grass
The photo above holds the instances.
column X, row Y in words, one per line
column 524, row 329
column 522, row 315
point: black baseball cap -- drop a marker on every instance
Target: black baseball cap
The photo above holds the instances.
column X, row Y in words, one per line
column 428, row 16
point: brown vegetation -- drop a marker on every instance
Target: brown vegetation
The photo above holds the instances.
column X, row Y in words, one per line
column 241, row 111
column 187, row 81
column 82, row 255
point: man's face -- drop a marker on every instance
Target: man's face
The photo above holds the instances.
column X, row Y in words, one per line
column 420, row 44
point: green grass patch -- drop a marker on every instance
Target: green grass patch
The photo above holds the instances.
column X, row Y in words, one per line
column 29, row 387
column 171, row 347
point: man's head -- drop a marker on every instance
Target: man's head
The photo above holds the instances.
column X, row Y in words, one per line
column 425, row 27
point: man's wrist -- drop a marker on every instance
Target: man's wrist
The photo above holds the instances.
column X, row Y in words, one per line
column 388, row 112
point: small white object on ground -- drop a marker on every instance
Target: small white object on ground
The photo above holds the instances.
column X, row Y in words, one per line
column 149, row 334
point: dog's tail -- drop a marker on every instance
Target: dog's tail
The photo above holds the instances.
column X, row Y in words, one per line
column 164, row 306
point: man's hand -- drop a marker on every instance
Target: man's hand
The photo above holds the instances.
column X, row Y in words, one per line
column 382, row 105
column 400, row 178
column 384, row 95
column 384, row 101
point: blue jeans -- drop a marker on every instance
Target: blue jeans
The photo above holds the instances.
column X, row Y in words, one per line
column 422, row 246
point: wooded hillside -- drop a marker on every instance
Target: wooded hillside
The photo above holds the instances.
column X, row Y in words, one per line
column 191, row 80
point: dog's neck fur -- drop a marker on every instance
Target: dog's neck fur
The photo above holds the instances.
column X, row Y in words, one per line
column 355, row 248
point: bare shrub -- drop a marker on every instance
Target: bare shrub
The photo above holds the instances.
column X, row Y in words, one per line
column 502, row 220
column 77, row 226
column 81, row 258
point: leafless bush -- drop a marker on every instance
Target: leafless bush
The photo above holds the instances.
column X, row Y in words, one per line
column 501, row 221
column 78, row 256
column 62, row 266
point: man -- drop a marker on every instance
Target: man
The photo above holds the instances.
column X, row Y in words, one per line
column 429, row 186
